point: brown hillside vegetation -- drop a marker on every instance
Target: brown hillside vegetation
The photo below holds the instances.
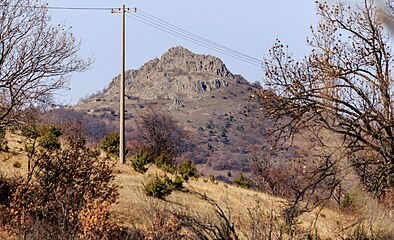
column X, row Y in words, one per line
column 253, row 215
column 199, row 93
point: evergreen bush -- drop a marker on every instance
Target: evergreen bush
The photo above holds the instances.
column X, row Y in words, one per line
column 49, row 138
column 110, row 144
column 160, row 187
column 243, row 182
column 165, row 163
column 187, row 170
column 139, row 161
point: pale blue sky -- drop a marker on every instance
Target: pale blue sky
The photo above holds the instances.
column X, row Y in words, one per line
column 250, row 27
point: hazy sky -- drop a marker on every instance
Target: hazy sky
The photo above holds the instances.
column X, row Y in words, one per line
column 250, row 27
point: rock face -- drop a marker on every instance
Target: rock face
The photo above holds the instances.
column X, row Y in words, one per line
column 178, row 74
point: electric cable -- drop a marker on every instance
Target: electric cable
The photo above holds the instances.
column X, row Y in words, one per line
column 59, row 7
column 162, row 25
column 150, row 16
column 191, row 38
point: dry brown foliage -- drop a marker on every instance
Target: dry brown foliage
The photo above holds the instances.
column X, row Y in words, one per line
column 339, row 98
column 65, row 195
column 94, row 221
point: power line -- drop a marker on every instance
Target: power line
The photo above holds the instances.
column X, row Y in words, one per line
column 196, row 36
column 155, row 22
column 80, row 8
column 186, row 35
column 188, row 38
column 59, row 7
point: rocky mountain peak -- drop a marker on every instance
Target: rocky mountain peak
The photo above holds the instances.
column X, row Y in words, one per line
column 178, row 73
column 181, row 59
column 178, row 52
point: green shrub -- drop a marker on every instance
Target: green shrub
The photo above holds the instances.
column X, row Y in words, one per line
column 177, row 184
column 110, row 144
column 187, row 170
column 49, row 138
column 161, row 187
column 243, row 182
column 139, row 161
column 164, row 162
column 30, row 131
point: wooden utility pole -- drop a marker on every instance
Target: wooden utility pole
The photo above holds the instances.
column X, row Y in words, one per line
column 122, row 10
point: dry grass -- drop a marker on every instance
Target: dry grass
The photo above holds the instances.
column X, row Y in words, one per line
column 15, row 155
column 245, row 206
column 253, row 213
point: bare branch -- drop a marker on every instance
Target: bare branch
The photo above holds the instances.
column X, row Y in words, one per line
column 344, row 86
column 36, row 58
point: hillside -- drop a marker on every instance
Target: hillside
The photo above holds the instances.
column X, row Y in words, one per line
column 255, row 215
column 226, row 128
column 199, row 92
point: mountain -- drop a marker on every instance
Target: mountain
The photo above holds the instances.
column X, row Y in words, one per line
column 210, row 102
column 177, row 74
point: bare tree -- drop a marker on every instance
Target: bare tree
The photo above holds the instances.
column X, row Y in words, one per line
column 344, row 88
column 36, row 57
column 159, row 134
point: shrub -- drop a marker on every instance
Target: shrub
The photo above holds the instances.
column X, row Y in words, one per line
column 187, row 170
column 94, row 221
column 218, row 223
column 257, row 84
column 139, row 161
column 243, row 182
column 177, row 184
column 30, row 131
column 158, row 133
column 164, row 162
column 283, row 180
column 49, row 137
column 93, row 128
column 110, row 144
column 163, row 223
column 161, row 187
column 363, row 231
column 74, row 133
column 62, row 185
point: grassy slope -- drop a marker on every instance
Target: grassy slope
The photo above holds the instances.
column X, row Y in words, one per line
column 133, row 206
column 247, row 207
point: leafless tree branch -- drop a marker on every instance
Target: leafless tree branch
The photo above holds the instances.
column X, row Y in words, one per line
column 36, row 58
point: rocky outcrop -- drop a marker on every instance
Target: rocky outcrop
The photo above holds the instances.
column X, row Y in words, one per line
column 178, row 74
